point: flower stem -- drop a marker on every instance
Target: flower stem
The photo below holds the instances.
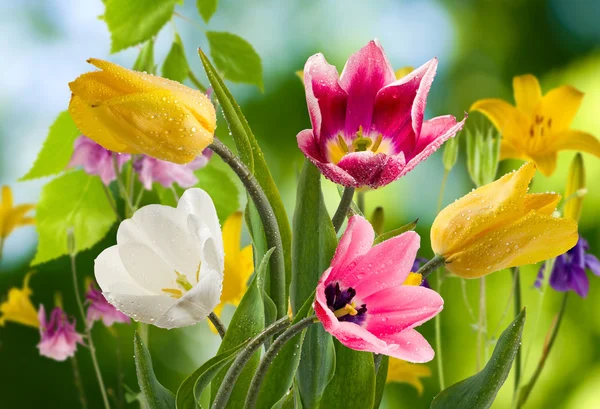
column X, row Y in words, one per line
column 124, row 194
column 438, row 337
column 481, row 324
column 236, row 368
column 526, row 390
column 78, row 384
column 517, row 298
column 342, row 210
column 267, row 360
column 432, row 265
column 88, row 328
column 111, row 201
column 269, row 221
column 220, row 327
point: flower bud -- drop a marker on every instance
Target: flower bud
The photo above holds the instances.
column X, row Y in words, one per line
column 483, row 150
column 575, row 188
column 450, row 153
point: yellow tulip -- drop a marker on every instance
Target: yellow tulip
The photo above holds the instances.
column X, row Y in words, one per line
column 133, row 112
column 238, row 264
column 539, row 126
column 18, row 307
column 12, row 217
column 405, row 372
column 499, row 225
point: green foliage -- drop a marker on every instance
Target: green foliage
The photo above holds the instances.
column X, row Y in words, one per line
column 155, row 395
column 132, row 22
column 483, row 153
column 396, row 232
column 57, row 149
column 74, row 200
column 207, row 8
column 311, row 254
column 357, row 368
column 480, row 390
column 450, row 153
column 235, row 58
column 176, row 67
column 145, row 60
column 221, row 188
column 381, row 380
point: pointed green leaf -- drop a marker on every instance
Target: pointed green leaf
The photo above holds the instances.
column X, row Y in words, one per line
column 480, row 390
column 74, row 200
column 132, row 22
column 207, row 8
column 176, row 67
column 156, row 396
column 358, row 368
column 396, row 232
column 235, row 58
column 221, row 188
column 57, row 149
column 145, row 60
column 381, row 380
column 311, row 256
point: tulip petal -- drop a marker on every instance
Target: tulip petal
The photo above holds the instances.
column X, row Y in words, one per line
column 543, row 203
column 372, row 169
column 325, row 98
column 561, row 105
column 198, row 203
column 578, row 141
column 396, row 309
column 409, row 346
column 112, row 276
column 356, row 241
column 143, row 308
column 528, row 93
column 365, row 73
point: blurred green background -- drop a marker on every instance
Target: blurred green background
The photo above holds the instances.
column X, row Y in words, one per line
column 481, row 45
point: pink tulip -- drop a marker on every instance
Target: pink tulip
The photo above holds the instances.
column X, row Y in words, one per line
column 367, row 127
column 361, row 301
column 166, row 173
column 100, row 309
column 96, row 160
column 59, row 338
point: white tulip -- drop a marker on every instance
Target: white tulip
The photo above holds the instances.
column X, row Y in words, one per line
column 167, row 266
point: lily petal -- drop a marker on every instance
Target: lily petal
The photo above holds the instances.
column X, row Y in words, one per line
column 509, row 151
column 546, row 163
column 543, row 203
column 578, row 141
column 561, row 104
column 507, row 119
column 528, row 93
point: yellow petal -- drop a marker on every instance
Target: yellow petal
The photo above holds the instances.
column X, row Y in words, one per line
column 300, row 74
column 482, row 210
column 578, row 141
column 232, row 234
column 543, row 203
column 528, row 93
column 508, row 151
column 413, row 279
column 7, row 197
column 404, row 71
column 18, row 307
column 560, row 105
column 405, row 372
column 512, row 123
column 546, row 163
column 238, row 263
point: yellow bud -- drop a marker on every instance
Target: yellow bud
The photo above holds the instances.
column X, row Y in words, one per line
column 499, row 225
column 133, row 112
column 575, row 188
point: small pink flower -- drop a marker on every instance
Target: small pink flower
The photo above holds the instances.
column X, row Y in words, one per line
column 59, row 338
column 361, row 301
column 96, row 160
column 100, row 309
column 166, row 173
column 367, row 127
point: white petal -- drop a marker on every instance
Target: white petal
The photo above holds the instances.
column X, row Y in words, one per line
column 197, row 202
column 164, row 230
column 112, row 275
column 143, row 308
column 147, row 268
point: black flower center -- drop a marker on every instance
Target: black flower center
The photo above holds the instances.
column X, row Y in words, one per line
column 340, row 302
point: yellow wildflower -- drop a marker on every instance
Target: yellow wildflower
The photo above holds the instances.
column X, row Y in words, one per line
column 18, row 307
column 12, row 217
column 238, row 263
column 406, row 372
column 499, row 225
column 539, row 126
column 133, row 112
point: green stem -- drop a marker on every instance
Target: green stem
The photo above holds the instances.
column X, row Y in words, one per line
column 481, row 324
column 236, row 368
column 438, row 337
column 88, row 328
column 267, row 360
column 111, row 201
column 220, row 327
column 526, row 391
column 269, row 221
column 78, row 383
column 517, row 299
column 377, row 358
column 342, row 210
column 122, row 189
column 196, row 81
column 360, row 201
column 432, row 265
column 144, row 332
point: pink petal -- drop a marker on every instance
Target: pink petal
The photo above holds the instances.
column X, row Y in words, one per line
column 430, row 139
column 409, row 346
column 307, row 142
column 365, row 73
column 325, row 98
column 400, row 106
column 372, row 169
column 385, row 265
column 356, row 241
column 396, row 309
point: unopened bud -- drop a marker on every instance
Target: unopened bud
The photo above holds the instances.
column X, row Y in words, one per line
column 483, row 153
column 450, row 153
column 575, row 189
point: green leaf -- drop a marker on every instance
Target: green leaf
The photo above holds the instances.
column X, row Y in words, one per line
column 132, row 22
column 360, row 368
column 221, row 188
column 145, row 60
column 156, row 396
column 480, row 390
column 176, row 67
column 311, row 256
column 353, row 206
column 57, row 149
column 396, row 232
column 207, row 8
column 74, row 200
column 253, row 157
column 247, row 321
column 235, row 58
column 380, row 380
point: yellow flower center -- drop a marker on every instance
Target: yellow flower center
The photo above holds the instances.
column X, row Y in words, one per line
column 539, row 126
column 183, row 282
column 338, row 148
column 346, row 309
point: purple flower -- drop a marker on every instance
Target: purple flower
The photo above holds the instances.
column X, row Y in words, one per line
column 100, row 309
column 568, row 272
column 58, row 337
column 95, row 159
column 166, row 173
